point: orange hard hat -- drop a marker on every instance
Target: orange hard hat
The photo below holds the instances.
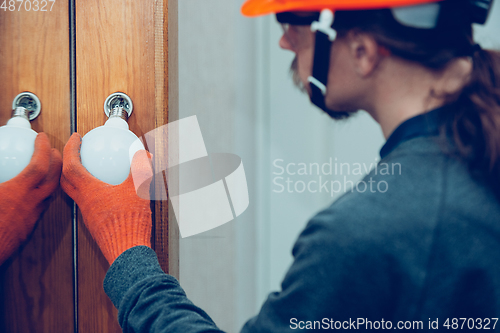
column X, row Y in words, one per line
column 262, row 7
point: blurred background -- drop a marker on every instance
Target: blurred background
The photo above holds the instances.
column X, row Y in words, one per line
column 234, row 77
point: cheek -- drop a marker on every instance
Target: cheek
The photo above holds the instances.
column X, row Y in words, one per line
column 305, row 65
column 343, row 88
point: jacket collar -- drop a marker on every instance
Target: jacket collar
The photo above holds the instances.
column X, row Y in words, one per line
column 427, row 124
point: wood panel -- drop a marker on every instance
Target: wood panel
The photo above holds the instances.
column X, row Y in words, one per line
column 166, row 235
column 120, row 46
column 37, row 282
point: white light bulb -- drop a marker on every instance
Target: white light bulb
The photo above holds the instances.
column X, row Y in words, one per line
column 17, row 144
column 108, row 150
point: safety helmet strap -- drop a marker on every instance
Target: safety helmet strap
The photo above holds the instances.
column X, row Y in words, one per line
column 325, row 35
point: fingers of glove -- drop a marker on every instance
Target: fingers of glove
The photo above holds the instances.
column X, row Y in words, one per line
column 74, row 175
column 141, row 172
column 71, row 155
column 36, row 171
column 51, row 182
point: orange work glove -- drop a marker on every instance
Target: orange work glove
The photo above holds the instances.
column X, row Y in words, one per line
column 115, row 216
column 24, row 197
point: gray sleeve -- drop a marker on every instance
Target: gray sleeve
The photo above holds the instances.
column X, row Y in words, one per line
column 148, row 300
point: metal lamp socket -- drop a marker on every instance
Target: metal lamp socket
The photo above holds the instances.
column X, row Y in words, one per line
column 26, row 105
column 118, row 105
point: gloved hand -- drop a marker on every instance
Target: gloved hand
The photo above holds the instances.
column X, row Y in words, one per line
column 115, row 216
column 24, row 198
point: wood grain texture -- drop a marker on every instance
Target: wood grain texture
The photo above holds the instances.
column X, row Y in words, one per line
column 166, row 235
column 120, row 46
column 37, row 282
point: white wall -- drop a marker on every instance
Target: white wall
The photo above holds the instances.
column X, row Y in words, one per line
column 235, row 78
column 216, row 71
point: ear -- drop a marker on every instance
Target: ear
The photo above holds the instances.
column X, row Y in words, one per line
column 364, row 52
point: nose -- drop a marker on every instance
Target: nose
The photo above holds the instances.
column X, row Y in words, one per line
column 285, row 43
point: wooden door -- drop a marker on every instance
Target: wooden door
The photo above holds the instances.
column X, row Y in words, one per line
column 121, row 46
column 72, row 57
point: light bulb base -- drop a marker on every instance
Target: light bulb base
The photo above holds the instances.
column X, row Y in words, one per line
column 21, row 112
column 118, row 112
